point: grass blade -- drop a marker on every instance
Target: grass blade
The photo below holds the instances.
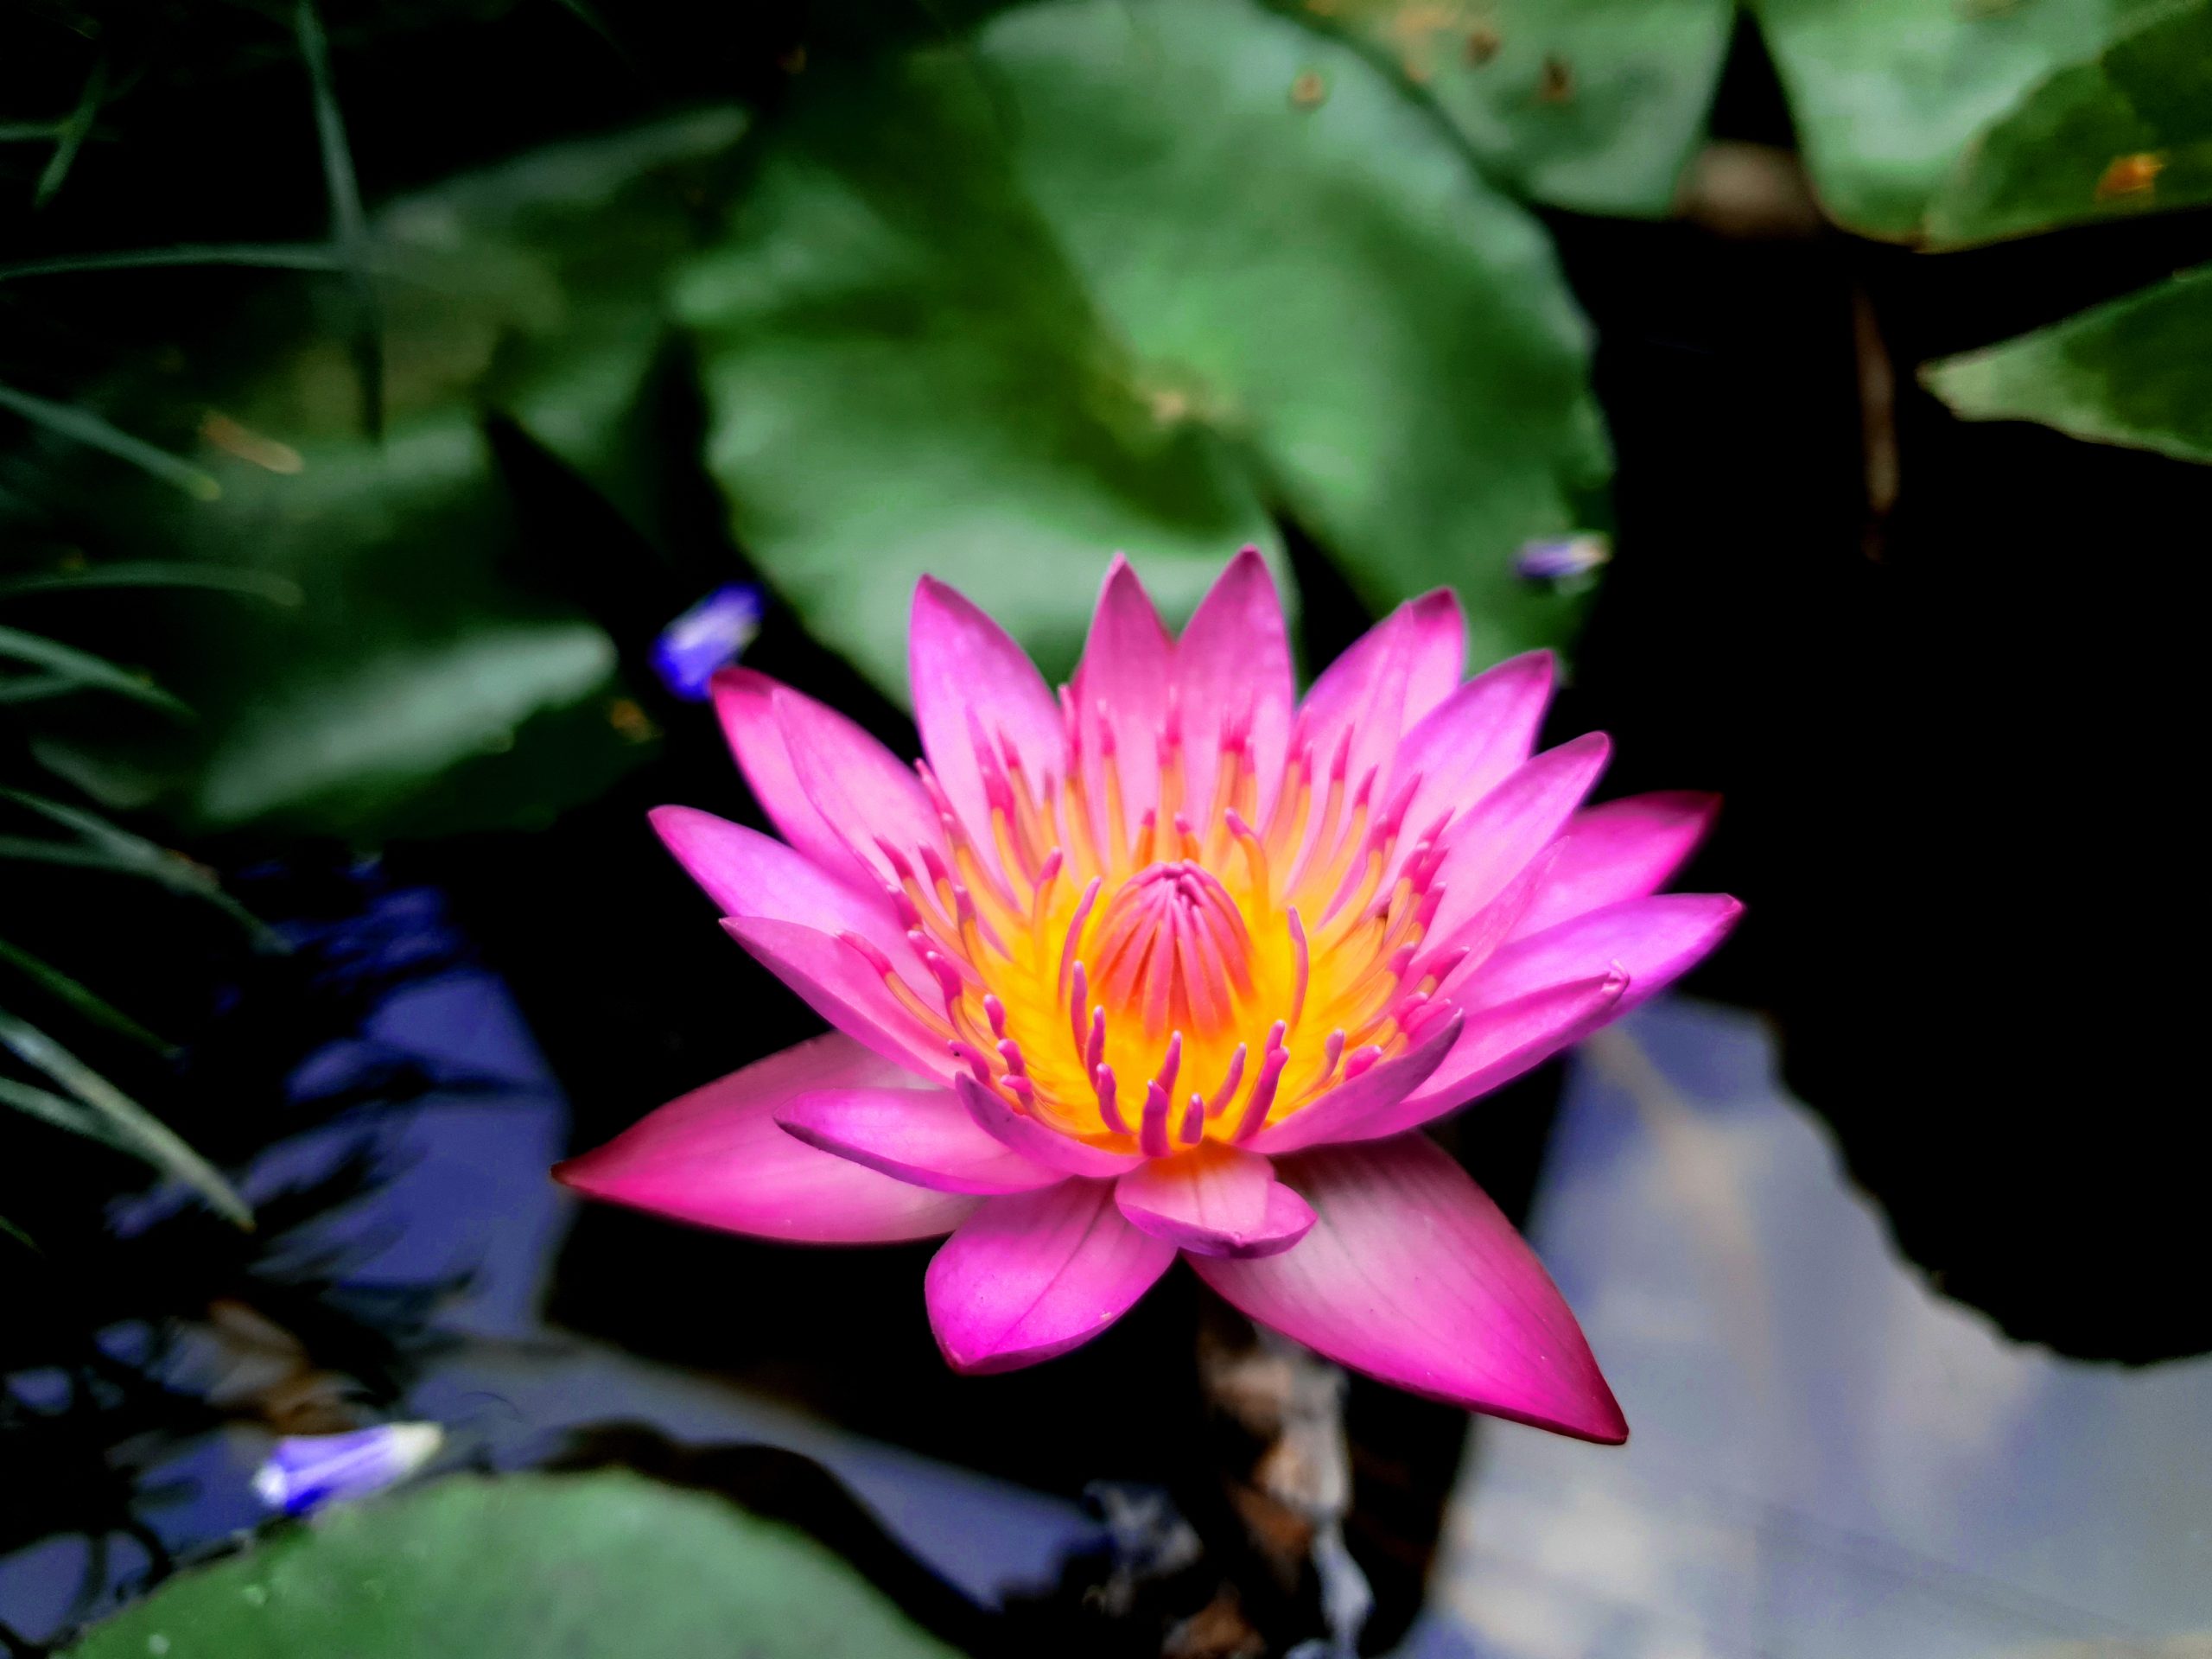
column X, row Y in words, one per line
column 72, row 137
column 89, row 428
column 349, row 225
column 66, row 1115
column 80, row 998
column 105, row 845
column 144, row 1133
column 91, row 673
column 219, row 578
column 261, row 256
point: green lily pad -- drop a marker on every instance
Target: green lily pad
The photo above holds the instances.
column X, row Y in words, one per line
column 1135, row 276
column 422, row 684
column 1888, row 94
column 1593, row 105
column 576, row 1565
column 2127, row 131
column 2135, row 371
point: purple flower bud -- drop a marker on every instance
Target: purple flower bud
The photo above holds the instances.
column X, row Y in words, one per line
column 1561, row 560
column 709, row 636
column 305, row 1471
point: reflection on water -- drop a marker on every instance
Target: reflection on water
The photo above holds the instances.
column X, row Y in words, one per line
column 1828, row 1459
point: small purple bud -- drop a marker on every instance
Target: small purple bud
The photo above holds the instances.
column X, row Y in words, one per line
column 1562, row 560
column 305, row 1471
column 711, row 635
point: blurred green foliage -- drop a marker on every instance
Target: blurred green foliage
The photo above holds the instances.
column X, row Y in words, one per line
column 1136, row 277
column 1889, row 96
column 1593, row 105
column 588, row 1567
column 2126, row 131
column 2136, row 372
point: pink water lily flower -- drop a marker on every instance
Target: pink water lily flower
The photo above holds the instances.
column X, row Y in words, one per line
column 1172, row 964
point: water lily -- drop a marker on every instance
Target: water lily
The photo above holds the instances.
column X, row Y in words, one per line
column 1172, row 964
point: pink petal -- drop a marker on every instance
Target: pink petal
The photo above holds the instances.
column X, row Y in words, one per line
column 1214, row 1200
column 1655, row 941
column 1030, row 1276
column 1234, row 658
column 841, row 987
column 716, row 1157
column 1039, row 1142
column 1623, row 850
column 1385, row 682
column 1498, row 837
column 1339, row 1114
column 972, row 681
column 1411, row 1276
column 922, row 1135
column 744, row 701
column 1472, row 741
column 1122, row 682
column 747, row 874
column 863, row 791
column 1497, row 1045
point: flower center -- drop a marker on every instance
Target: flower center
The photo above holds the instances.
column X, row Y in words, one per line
column 1173, row 950
column 1113, row 992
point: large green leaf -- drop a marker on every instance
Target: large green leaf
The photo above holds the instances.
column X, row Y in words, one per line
column 1593, row 104
column 419, row 685
column 551, row 1567
column 2136, row 372
column 1888, row 94
column 1115, row 277
column 2128, row 130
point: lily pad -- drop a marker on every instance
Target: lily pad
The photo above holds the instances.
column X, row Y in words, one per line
column 1592, row 104
column 2135, row 371
column 421, row 684
column 1888, row 94
column 579, row 1566
column 2126, row 132
column 1136, row 277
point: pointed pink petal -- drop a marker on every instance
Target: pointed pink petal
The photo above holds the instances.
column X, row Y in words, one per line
column 747, row 874
column 863, row 791
column 1214, row 1200
column 922, row 1135
column 1030, row 1276
column 1623, row 850
column 1122, row 682
column 715, row 1157
column 1039, row 1142
column 969, row 678
column 1411, row 1276
column 1387, row 681
column 744, row 701
column 837, row 984
column 1234, row 658
column 1498, row 1044
column 1339, row 1114
column 1497, row 837
column 1655, row 941
column 1472, row 741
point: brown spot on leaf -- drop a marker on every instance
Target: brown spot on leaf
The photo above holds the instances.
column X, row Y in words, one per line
column 1308, row 90
column 2129, row 175
column 1483, row 42
column 1557, row 84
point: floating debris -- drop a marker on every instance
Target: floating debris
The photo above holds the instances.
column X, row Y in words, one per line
column 1567, row 558
column 303, row 1472
column 709, row 636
